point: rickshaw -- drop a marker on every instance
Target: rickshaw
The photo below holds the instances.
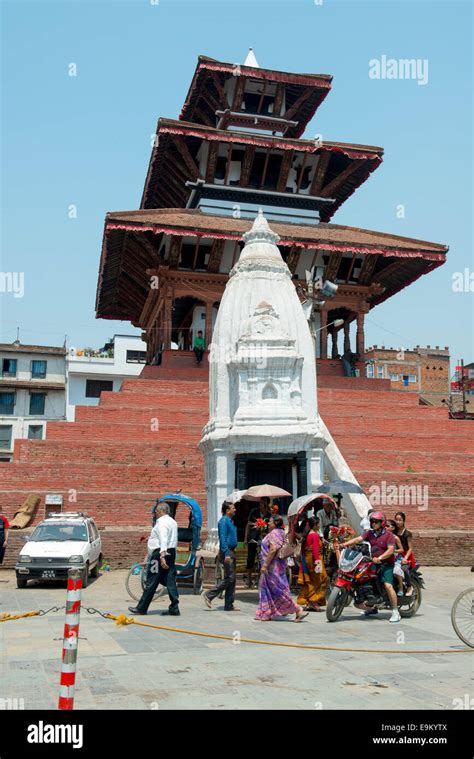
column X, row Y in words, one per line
column 189, row 572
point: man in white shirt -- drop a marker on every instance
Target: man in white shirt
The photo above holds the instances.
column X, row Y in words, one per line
column 162, row 545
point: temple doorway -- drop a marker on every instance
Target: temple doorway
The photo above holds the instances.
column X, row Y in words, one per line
column 284, row 471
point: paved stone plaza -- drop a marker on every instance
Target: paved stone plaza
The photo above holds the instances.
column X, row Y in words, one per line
column 138, row 668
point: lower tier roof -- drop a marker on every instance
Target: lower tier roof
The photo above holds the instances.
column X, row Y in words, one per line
column 133, row 239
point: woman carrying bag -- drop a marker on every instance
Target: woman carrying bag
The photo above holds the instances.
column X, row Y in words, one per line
column 275, row 598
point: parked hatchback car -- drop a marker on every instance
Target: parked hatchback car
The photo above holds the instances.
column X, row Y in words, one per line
column 59, row 542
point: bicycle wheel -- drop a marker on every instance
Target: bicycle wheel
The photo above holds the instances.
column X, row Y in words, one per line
column 135, row 582
column 462, row 617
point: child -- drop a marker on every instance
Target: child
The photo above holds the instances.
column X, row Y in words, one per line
column 397, row 569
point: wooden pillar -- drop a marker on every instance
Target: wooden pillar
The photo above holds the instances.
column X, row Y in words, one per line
column 208, row 328
column 168, row 315
column 360, row 335
column 347, row 335
column 324, row 334
column 334, row 336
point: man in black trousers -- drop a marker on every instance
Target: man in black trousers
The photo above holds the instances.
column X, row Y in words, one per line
column 161, row 565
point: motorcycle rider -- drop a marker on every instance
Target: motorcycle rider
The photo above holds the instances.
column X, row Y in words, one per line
column 382, row 543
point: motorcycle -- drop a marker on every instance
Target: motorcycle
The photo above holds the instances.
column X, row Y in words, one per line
column 357, row 580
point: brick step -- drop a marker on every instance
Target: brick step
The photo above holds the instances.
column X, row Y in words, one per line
column 186, row 370
column 131, row 430
column 178, row 386
column 358, row 397
column 449, row 428
column 333, row 367
column 420, row 461
column 139, row 452
column 367, row 411
column 172, row 359
column 353, row 383
column 111, row 414
column 400, row 441
column 128, row 400
column 89, row 476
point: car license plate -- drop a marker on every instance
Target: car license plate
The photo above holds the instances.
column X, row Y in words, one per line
column 48, row 573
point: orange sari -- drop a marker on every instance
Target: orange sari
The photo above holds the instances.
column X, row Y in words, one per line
column 312, row 577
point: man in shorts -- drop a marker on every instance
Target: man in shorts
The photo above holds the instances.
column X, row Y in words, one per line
column 382, row 543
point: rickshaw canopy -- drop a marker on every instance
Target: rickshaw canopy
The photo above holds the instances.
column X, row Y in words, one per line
column 193, row 505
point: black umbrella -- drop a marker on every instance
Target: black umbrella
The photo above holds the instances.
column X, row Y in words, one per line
column 340, row 486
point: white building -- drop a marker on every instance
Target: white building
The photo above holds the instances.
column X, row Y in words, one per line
column 32, row 392
column 92, row 371
column 263, row 410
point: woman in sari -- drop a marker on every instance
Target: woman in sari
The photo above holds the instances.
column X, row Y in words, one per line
column 274, row 592
column 312, row 577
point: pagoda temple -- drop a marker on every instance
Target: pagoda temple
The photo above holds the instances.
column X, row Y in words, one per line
column 239, row 146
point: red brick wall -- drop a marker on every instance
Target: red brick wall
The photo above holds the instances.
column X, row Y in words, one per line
column 113, row 463
column 121, row 547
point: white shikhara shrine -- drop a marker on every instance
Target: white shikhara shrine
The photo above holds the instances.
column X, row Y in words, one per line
column 263, row 397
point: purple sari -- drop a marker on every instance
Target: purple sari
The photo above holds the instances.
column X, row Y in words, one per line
column 274, row 592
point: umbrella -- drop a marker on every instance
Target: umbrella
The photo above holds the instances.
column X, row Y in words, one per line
column 266, row 491
column 340, row 486
column 237, row 496
column 305, row 500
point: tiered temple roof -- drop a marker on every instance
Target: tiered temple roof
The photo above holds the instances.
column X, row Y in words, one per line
column 237, row 145
column 134, row 243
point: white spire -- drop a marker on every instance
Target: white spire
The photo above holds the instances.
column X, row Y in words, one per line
column 251, row 60
column 261, row 231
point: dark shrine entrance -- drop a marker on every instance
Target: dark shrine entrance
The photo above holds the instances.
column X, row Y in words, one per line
column 285, row 471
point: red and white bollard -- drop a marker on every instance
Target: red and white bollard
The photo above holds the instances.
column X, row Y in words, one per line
column 71, row 640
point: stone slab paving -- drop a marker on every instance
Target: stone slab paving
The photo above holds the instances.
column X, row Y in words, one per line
column 140, row 668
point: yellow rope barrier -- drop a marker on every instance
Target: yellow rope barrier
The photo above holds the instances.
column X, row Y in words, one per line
column 122, row 619
column 9, row 617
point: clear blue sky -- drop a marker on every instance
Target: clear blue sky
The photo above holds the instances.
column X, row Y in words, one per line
column 85, row 140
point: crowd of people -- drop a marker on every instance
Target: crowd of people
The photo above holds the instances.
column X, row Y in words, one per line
column 268, row 543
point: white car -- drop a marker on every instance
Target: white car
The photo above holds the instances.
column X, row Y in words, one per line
column 60, row 542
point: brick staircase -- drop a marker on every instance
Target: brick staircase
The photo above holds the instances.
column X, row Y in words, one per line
column 142, row 441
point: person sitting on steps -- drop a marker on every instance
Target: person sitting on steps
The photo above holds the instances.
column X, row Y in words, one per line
column 199, row 347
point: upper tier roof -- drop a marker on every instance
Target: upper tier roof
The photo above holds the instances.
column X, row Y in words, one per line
column 343, row 168
column 303, row 92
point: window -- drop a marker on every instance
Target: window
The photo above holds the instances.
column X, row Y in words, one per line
column 38, row 369
column 95, row 387
column 35, row 432
column 380, row 372
column 6, row 436
column 136, row 357
column 412, row 378
column 9, row 367
column 394, row 377
column 37, row 401
column 7, row 403
column 369, row 371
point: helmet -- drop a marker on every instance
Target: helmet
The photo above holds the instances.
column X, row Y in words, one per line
column 376, row 516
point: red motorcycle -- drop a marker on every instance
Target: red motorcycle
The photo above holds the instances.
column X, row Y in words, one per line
column 357, row 579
